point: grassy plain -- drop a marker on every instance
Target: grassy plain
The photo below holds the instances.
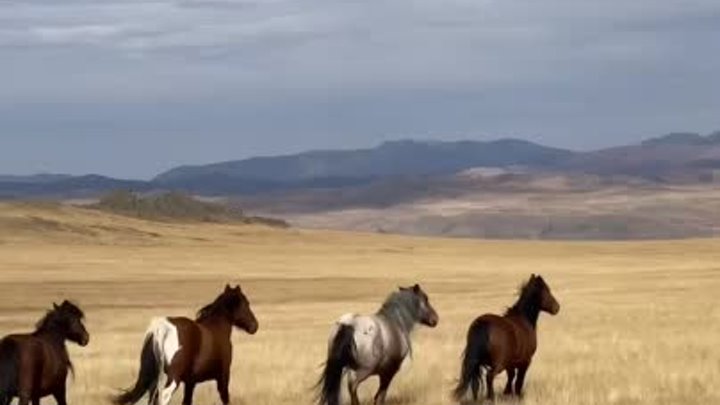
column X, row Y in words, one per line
column 640, row 322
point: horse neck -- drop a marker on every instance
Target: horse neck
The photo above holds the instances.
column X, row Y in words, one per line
column 56, row 338
column 218, row 324
column 399, row 317
column 526, row 309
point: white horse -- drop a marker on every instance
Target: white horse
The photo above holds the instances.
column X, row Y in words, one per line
column 370, row 345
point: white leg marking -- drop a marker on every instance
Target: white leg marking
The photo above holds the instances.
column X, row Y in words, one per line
column 168, row 392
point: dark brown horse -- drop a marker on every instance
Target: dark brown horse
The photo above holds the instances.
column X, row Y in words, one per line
column 180, row 350
column 505, row 343
column 36, row 365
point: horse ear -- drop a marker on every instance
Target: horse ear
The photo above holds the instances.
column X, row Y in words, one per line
column 56, row 306
column 402, row 288
column 237, row 288
column 533, row 276
column 227, row 288
column 416, row 288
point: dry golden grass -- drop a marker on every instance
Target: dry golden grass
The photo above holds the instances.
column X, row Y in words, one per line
column 640, row 322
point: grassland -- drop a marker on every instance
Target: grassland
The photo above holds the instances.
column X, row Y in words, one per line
column 640, row 322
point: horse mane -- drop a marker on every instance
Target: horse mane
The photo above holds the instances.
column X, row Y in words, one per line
column 52, row 321
column 53, row 318
column 528, row 303
column 223, row 305
column 401, row 307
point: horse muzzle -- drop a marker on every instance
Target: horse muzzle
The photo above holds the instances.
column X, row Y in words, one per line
column 555, row 309
column 84, row 340
column 432, row 320
column 252, row 328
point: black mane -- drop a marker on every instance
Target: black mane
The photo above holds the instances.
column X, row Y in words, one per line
column 224, row 305
column 528, row 302
column 56, row 319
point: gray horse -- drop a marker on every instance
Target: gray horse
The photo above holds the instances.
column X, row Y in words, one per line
column 370, row 345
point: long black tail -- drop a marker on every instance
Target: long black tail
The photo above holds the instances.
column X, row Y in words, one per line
column 147, row 376
column 8, row 370
column 476, row 355
column 340, row 356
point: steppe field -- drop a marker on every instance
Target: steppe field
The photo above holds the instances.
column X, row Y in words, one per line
column 639, row 324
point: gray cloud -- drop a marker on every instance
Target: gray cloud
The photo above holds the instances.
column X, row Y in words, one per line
column 186, row 81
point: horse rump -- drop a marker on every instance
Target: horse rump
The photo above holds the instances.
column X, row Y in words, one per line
column 340, row 356
column 8, row 370
column 475, row 356
column 147, row 376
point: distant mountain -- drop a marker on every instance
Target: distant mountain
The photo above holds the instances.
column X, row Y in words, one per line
column 34, row 178
column 672, row 158
column 398, row 158
column 64, row 187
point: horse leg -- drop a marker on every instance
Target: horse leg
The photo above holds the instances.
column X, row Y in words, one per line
column 354, row 381
column 188, row 392
column 59, row 395
column 489, row 377
column 385, row 379
column 509, row 385
column 26, row 382
column 522, row 370
column 169, row 389
column 222, row 386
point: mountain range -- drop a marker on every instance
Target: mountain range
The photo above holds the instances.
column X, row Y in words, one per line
column 672, row 158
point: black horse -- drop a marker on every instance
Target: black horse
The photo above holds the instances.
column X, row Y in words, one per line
column 36, row 365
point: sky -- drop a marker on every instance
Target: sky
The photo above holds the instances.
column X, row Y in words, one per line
column 130, row 88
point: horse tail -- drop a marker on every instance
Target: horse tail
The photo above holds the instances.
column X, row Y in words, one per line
column 147, row 376
column 476, row 354
column 340, row 355
column 161, row 344
column 8, row 370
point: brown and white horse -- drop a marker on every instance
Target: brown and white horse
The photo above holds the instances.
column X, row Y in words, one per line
column 182, row 350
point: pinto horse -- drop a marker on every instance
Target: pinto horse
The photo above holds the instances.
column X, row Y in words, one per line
column 505, row 343
column 373, row 345
column 36, row 365
column 180, row 350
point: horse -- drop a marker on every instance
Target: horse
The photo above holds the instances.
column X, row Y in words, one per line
column 180, row 350
column 376, row 344
column 35, row 365
column 505, row 343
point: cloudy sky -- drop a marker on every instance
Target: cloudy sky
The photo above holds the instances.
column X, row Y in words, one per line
column 132, row 87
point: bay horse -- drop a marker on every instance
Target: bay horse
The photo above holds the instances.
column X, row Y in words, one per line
column 180, row 350
column 505, row 343
column 368, row 345
column 36, row 364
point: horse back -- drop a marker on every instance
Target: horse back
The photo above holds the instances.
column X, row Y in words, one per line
column 511, row 342
column 203, row 351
